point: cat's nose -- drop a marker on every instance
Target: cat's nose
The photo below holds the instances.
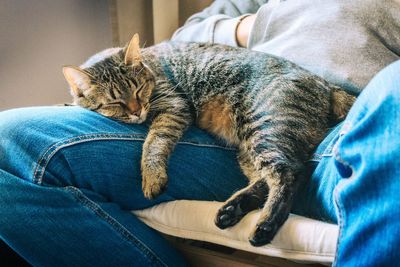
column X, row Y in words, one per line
column 136, row 112
column 135, row 108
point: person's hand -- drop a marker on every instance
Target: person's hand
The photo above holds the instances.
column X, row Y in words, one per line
column 243, row 30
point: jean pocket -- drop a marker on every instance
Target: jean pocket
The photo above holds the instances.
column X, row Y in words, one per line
column 326, row 147
column 343, row 167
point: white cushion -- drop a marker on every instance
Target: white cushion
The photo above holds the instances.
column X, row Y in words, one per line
column 299, row 239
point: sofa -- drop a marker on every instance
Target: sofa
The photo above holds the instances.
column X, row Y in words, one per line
column 300, row 239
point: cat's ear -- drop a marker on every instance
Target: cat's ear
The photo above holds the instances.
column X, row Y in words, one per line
column 132, row 54
column 77, row 79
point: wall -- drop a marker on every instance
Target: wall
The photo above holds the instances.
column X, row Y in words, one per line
column 38, row 37
column 189, row 7
column 133, row 16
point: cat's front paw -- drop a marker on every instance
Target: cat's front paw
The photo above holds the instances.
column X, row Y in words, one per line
column 154, row 183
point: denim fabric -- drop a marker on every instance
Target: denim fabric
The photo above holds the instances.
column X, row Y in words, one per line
column 314, row 198
column 69, row 177
column 366, row 157
column 355, row 177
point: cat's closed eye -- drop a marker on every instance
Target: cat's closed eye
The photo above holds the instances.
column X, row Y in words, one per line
column 99, row 106
column 118, row 103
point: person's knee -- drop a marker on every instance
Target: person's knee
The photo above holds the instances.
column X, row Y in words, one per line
column 15, row 129
column 11, row 123
column 25, row 136
column 32, row 138
column 17, row 140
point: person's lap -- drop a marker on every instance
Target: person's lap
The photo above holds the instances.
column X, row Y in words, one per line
column 70, row 146
column 69, row 167
column 78, row 172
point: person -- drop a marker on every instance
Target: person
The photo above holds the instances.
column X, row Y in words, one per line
column 70, row 177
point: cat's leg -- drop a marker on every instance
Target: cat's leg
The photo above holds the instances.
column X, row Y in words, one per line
column 277, row 176
column 273, row 191
column 165, row 131
column 282, row 170
column 245, row 200
column 282, row 187
column 278, row 151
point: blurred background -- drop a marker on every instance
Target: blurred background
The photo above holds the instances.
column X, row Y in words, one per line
column 38, row 37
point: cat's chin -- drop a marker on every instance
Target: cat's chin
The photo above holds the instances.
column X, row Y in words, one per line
column 135, row 119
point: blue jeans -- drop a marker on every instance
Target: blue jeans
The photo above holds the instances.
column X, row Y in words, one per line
column 69, row 178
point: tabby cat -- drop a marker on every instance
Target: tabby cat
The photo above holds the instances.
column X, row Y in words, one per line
column 274, row 111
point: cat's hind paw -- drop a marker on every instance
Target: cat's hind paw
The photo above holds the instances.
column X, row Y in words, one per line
column 228, row 215
column 244, row 201
column 263, row 233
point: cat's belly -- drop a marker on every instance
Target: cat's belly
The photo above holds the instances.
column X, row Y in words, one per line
column 216, row 117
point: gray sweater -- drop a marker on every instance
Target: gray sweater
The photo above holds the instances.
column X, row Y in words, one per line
column 345, row 41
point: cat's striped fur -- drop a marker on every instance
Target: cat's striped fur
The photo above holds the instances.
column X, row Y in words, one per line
column 274, row 111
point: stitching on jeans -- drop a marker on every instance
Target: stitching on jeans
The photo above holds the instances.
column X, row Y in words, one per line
column 79, row 196
column 328, row 151
column 341, row 217
column 346, row 128
column 49, row 153
column 339, row 207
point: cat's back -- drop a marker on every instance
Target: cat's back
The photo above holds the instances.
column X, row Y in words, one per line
column 199, row 65
column 211, row 54
column 204, row 68
column 217, row 60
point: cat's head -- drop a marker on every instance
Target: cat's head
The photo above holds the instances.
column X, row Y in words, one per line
column 115, row 83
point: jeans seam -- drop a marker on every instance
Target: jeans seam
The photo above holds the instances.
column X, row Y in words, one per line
column 340, row 213
column 317, row 157
column 339, row 207
column 328, row 151
column 96, row 209
column 51, row 150
column 340, row 223
column 54, row 148
column 337, row 156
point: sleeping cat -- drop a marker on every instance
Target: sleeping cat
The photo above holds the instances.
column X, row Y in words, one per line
column 274, row 111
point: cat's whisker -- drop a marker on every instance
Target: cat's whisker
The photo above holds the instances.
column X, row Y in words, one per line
column 168, row 92
column 162, row 97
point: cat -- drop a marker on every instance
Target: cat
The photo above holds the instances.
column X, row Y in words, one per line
column 274, row 111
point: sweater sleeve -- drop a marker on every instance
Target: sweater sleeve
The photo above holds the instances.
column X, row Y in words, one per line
column 217, row 23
